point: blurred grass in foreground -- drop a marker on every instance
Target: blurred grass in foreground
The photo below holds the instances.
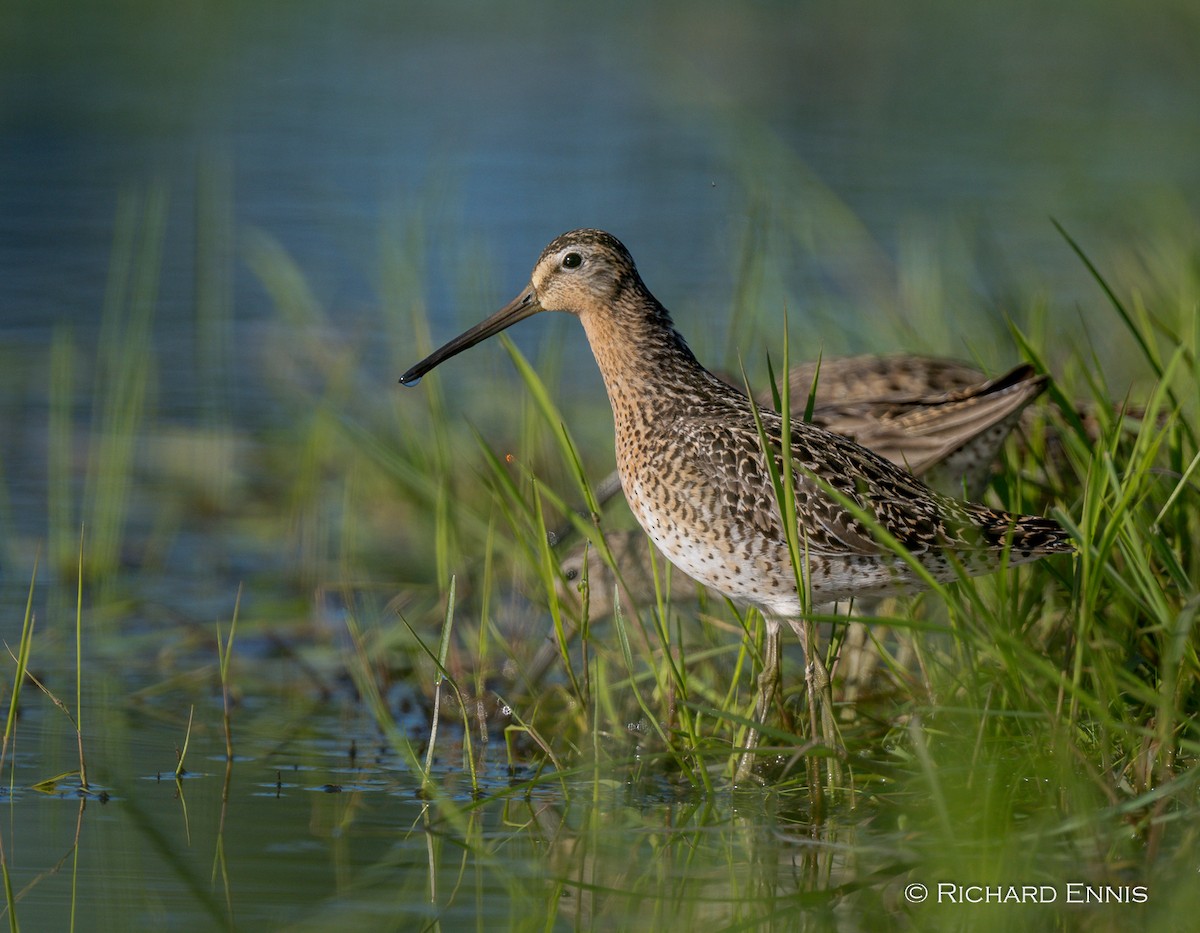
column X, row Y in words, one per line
column 1044, row 733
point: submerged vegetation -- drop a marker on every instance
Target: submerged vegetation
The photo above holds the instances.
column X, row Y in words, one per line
column 559, row 768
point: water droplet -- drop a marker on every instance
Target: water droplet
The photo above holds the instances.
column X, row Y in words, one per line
column 410, row 382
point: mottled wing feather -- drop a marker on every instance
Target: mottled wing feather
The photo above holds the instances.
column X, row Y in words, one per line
column 918, row 431
column 871, row 377
column 922, row 520
column 733, row 459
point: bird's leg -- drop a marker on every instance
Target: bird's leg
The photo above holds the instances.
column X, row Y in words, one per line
column 769, row 676
column 820, row 699
column 764, row 698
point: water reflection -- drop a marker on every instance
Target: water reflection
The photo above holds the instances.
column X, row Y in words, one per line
column 319, row 822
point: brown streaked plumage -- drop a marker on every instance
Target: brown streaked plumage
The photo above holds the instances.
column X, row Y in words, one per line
column 942, row 420
column 874, row 377
column 939, row 419
column 696, row 476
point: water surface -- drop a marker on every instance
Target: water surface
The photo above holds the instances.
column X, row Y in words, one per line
column 858, row 164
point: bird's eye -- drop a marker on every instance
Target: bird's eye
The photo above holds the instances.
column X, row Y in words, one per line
column 571, row 574
column 571, row 260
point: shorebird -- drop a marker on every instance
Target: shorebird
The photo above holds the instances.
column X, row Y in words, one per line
column 942, row 420
column 698, row 479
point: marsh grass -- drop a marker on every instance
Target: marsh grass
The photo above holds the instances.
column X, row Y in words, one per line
column 224, row 657
column 124, row 374
column 1045, row 730
column 1049, row 727
column 22, row 666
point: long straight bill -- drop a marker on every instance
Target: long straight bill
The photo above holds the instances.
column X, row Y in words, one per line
column 521, row 307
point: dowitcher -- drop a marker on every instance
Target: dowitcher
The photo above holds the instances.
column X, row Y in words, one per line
column 940, row 419
column 697, row 479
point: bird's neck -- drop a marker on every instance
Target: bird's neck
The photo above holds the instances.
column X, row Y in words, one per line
column 640, row 350
column 649, row 372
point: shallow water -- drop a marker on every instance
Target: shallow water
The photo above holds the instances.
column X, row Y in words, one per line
column 319, row 823
column 879, row 160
